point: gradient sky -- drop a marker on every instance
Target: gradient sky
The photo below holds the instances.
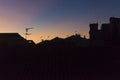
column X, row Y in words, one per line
column 55, row 17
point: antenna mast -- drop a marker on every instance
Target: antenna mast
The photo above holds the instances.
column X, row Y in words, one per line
column 27, row 32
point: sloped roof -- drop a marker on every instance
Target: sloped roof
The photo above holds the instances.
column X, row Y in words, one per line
column 6, row 35
column 12, row 39
column 10, row 35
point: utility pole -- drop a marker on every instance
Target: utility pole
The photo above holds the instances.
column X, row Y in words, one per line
column 27, row 32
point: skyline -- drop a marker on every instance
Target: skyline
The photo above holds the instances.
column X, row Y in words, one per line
column 54, row 17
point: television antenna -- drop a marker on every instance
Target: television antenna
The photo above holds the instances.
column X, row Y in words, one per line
column 76, row 32
column 27, row 32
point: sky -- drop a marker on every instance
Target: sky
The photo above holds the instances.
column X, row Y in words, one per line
column 51, row 18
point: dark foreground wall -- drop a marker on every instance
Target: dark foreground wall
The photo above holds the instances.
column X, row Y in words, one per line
column 59, row 63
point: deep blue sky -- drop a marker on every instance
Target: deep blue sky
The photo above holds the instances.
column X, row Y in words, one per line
column 76, row 9
column 55, row 17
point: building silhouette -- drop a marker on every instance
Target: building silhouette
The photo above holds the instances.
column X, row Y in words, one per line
column 78, row 40
column 71, row 41
column 107, row 35
column 12, row 39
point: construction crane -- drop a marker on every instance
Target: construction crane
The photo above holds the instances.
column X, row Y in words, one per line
column 27, row 32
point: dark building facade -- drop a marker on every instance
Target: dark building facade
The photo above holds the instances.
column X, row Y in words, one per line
column 107, row 35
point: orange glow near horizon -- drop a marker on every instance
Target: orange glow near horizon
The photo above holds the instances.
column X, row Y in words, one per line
column 47, row 32
column 16, row 23
column 12, row 22
column 53, row 18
